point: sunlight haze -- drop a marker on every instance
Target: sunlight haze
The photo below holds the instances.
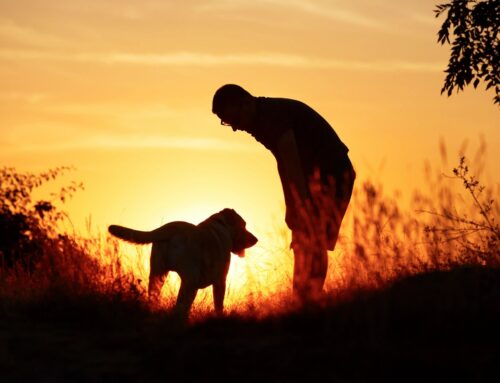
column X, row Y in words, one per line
column 122, row 90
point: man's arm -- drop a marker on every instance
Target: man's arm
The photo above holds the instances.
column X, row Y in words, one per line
column 289, row 156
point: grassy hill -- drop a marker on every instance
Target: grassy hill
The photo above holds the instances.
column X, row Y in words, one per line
column 417, row 298
column 442, row 325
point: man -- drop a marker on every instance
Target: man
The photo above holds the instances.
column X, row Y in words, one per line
column 315, row 171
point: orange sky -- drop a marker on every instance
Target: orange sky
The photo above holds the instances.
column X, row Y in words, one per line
column 122, row 90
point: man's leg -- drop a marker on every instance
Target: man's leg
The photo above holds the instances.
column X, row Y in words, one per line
column 318, row 271
column 317, row 235
column 310, row 266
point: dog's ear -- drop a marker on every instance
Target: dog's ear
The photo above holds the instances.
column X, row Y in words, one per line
column 242, row 238
column 231, row 217
column 248, row 241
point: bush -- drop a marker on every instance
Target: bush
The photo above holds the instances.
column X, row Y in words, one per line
column 452, row 224
column 39, row 261
column 474, row 232
column 27, row 225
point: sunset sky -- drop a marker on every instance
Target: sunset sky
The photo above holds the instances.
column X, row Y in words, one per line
column 122, row 90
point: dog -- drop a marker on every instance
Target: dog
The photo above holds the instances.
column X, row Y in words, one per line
column 200, row 254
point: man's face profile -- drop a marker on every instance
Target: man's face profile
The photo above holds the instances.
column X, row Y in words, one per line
column 231, row 115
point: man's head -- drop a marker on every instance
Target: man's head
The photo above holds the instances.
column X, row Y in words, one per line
column 234, row 106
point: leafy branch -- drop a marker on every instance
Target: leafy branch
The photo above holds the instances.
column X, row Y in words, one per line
column 475, row 52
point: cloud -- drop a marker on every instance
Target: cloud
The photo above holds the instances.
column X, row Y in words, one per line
column 113, row 142
column 331, row 10
column 179, row 142
column 425, row 19
column 12, row 31
column 206, row 59
column 23, row 97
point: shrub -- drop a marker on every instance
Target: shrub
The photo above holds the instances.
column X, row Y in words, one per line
column 27, row 225
column 452, row 224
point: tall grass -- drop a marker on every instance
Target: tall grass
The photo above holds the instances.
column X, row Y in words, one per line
column 41, row 261
column 453, row 223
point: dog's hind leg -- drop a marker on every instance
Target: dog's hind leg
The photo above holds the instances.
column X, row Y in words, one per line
column 155, row 284
column 158, row 271
column 185, row 299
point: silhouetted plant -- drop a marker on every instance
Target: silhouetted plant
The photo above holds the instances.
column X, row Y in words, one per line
column 40, row 261
column 382, row 241
column 388, row 242
column 475, row 52
column 477, row 233
column 27, row 225
column 385, row 241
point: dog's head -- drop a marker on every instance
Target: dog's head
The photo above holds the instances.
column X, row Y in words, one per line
column 241, row 238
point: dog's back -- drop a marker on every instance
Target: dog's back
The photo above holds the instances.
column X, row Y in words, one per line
column 163, row 233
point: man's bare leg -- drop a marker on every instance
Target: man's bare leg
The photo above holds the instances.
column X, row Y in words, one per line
column 309, row 273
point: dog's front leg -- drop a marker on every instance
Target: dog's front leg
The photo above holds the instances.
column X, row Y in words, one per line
column 219, row 291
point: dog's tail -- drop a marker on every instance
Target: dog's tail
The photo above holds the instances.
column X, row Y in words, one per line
column 131, row 235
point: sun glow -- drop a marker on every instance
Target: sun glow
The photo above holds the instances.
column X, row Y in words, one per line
column 123, row 93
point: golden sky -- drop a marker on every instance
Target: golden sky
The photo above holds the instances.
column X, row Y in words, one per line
column 122, row 90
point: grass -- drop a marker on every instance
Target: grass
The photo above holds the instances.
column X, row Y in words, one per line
column 439, row 325
column 411, row 295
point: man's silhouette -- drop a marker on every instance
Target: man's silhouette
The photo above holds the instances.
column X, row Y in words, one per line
column 315, row 171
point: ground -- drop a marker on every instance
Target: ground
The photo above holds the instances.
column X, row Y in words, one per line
column 437, row 326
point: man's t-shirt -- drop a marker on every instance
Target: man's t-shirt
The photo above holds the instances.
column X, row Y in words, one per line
column 318, row 146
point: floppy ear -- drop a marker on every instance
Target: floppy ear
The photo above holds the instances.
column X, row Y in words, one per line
column 249, row 241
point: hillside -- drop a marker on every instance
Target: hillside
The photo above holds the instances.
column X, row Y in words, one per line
column 435, row 326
